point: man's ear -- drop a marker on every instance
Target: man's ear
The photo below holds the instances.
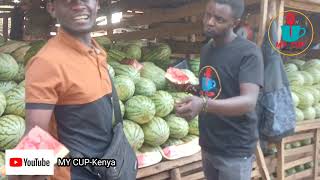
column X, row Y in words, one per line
column 51, row 9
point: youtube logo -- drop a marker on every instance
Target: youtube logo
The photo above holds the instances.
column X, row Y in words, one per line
column 15, row 162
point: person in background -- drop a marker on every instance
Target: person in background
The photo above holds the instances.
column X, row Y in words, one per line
column 231, row 75
column 17, row 20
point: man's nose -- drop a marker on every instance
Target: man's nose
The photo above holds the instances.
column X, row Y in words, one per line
column 211, row 21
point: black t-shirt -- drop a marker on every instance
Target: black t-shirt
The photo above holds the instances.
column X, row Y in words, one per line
column 222, row 70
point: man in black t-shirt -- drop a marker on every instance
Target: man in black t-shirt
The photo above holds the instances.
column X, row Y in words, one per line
column 231, row 75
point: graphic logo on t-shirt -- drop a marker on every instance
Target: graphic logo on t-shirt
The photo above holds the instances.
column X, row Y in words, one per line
column 209, row 82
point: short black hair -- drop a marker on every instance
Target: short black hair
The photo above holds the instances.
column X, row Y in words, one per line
column 237, row 6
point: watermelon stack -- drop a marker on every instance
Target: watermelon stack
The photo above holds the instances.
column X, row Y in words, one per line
column 304, row 79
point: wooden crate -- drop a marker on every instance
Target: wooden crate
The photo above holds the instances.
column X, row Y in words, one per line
column 290, row 158
column 190, row 168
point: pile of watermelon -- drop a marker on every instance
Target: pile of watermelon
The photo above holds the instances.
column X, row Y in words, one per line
column 13, row 57
column 304, row 79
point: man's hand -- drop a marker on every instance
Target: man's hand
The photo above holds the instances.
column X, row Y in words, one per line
column 189, row 107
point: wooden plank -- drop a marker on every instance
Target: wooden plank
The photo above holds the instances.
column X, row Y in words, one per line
column 300, row 175
column 299, row 150
column 263, row 21
column 312, row 7
column 160, row 15
column 280, row 17
column 280, row 162
column 190, row 167
column 167, row 165
column 175, row 174
column 169, row 29
column 195, row 176
column 316, row 153
column 161, row 176
column 298, row 162
column 308, row 125
column 5, row 28
column 298, row 137
column 185, row 47
column 261, row 163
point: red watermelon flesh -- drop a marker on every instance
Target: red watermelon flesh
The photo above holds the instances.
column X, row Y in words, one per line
column 37, row 138
column 133, row 62
column 180, row 151
column 177, row 76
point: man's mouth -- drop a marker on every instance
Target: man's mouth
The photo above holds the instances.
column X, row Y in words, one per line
column 81, row 17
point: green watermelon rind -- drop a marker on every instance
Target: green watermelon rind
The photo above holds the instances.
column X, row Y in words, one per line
column 12, row 128
column 164, row 103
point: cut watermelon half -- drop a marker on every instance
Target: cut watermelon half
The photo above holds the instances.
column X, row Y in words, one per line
column 182, row 150
column 133, row 62
column 148, row 159
column 37, row 138
column 177, row 76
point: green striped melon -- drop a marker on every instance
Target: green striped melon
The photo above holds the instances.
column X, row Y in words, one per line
column 298, row 62
column 11, row 46
column 2, row 166
column 195, row 66
column 178, row 96
column 3, row 103
column 124, row 87
column 290, row 67
column 189, row 138
column 22, row 83
column 6, row 86
column 8, row 67
column 296, row 79
column 16, row 101
column 154, row 73
column 20, row 53
column 315, row 73
column 12, row 128
column 140, row 109
column 111, row 71
column 194, row 126
column 178, row 126
column 317, row 108
column 309, row 113
column 20, row 75
column 306, row 98
column 156, row 132
column 313, row 63
column 172, row 142
column 127, row 70
column 134, row 134
column 308, row 79
column 299, row 115
column 164, row 103
column 145, row 87
column 295, row 99
column 122, row 108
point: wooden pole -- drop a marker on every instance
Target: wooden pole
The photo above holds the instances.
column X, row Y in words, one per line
column 263, row 21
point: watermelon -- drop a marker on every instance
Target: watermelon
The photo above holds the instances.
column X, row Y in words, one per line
column 154, row 73
column 290, row 172
column 158, row 54
column 37, row 138
column 296, row 78
column 306, row 142
column 313, row 63
column 156, row 132
column 295, row 99
column 140, row 109
column 122, row 108
column 315, row 73
column 12, row 128
column 124, row 86
column 164, row 103
column 133, row 63
column 192, row 78
column 194, row 126
column 177, row 76
column 308, row 79
column 116, row 55
column 308, row 165
column 172, row 142
column 299, row 168
column 306, row 98
column 133, row 52
column 111, row 71
column 11, row 46
column 8, row 67
column 299, row 115
column 3, row 103
column 35, row 47
column 296, row 144
column 22, row 83
column 317, row 108
column 104, row 42
column 298, row 62
column 179, row 127
column 20, row 75
column 5, row 86
column 194, row 65
column 145, row 87
column 178, row 96
column 19, row 54
column 2, row 166
column 290, row 67
column 134, row 134
column 189, row 138
column 127, row 70
column 288, row 146
column 309, row 113
column 148, row 155
column 15, row 101
column 314, row 91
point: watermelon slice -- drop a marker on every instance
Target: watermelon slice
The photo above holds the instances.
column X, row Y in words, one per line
column 148, row 159
column 179, row 151
column 37, row 138
column 177, row 76
column 133, row 62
